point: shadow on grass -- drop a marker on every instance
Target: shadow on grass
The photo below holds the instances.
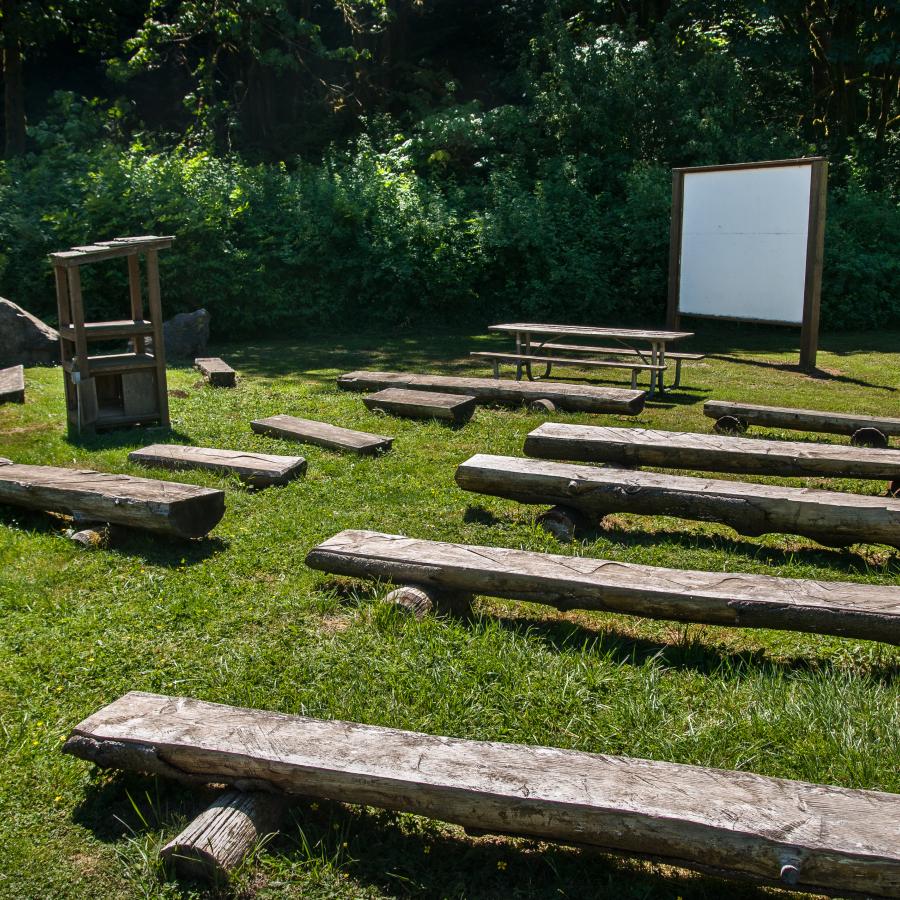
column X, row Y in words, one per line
column 393, row 854
column 127, row 437
column 841, row 559
column 688, row 652
column 159, row 550
column 818, row 374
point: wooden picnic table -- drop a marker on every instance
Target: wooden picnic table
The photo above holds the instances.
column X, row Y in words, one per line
column 632, row 339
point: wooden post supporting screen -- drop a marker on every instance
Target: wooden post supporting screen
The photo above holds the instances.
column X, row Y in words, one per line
column 747, row 244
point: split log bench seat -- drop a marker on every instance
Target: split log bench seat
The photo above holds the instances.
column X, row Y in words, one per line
column 870, row 612
column 164, row 507
column 830, row 517
column 12, row 385
column 504, row 392
column 525, row 360
column 677, row 356
column 259, row 470
column 456, row 408
column 322, row 434
column 709, row 452
column 216, row 371
column 738, row 824
column 872, row 431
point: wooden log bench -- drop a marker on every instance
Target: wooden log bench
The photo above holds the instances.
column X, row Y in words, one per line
column 322, row 434
column 216, row 371
column 455, row 408
column 738, row 824
column 525, row 361
column 830, row 517
column 504, row 392
column 709, row 452
column 677, row 356
column 164, row 507
column 12, row 385
column 259, row 470
column 866, row 431
column 870, row 612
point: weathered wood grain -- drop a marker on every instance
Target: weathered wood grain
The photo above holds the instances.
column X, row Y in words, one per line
column 738, row 823
column 216, row 371
column 456, row 408
column 165, row 507
column 871, row 612
column 12, row 385
column 800, row 419
column 572, row 397
column 215, row 843
column 708, row 452
column 322, row 434
column 258, row 470
column 830, row 517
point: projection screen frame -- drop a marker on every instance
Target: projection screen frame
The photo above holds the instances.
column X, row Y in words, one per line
column 815, row 246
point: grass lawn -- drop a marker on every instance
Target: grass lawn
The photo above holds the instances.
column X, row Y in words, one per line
column 237, row 618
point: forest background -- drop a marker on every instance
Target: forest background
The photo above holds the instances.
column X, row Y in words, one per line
column 410, row 162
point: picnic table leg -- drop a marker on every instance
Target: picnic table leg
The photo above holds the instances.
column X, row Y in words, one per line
column 677, row 380
column 654, row 356
column 661, row 360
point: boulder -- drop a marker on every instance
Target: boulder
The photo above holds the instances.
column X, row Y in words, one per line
column 24, row 339
column 185, row 336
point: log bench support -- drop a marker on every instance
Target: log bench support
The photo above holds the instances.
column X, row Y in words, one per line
column 737, row 824
column 420, row 600
column 214, row 844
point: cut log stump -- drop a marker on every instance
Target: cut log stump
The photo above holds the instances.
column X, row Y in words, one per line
column 419, row 600
column 504, row 392
column 542, row 406
column 867, row 611
column 322, row 434
column 869, row 437
column 259, row 470
column 708, row 452
column 165, row 507
column 734, row 823
column 223, row 835
column 12, row 385
column 830, row 517
column 455, row 408
column 216, row 371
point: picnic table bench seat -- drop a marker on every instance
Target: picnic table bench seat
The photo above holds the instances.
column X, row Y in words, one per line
column 496, row 358
column 678, row 356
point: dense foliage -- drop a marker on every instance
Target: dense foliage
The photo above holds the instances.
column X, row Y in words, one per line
column 351, row 160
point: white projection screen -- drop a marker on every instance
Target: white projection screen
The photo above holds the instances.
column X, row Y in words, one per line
column 747, row 244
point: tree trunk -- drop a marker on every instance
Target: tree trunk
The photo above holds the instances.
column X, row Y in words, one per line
column 13, row 85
